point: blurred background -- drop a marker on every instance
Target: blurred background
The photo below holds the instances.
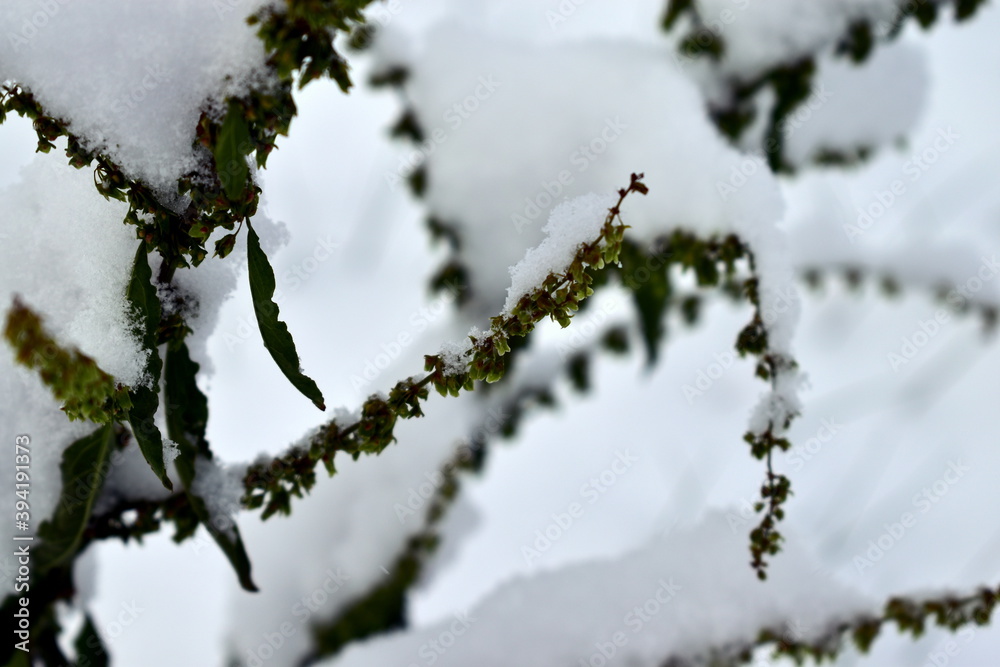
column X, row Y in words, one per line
column 355, row 272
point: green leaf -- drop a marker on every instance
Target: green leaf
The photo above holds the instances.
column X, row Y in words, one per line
column 277, row 340
column 142, row 297
column 84, row 467
column 647, row 277
column 231, row 542
column 90, row 649
column 225, row 245
column 231, row 146
column 187, row 417
column 187, row 407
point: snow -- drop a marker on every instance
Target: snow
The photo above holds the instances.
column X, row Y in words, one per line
column 571, row 224
column 779, row 406
column 643, row 608
column 67, row 254
column 221, row 487
column 647, row 117
column 202, row 291
column 761, row 35
column 128, row 478
column 135, row 93
column 456, row 354
column 878, row 229
column 69, row 257
column 535, row 112
column 85, row 254
column 133, row 77
column 871, row 105
column 644, row 118
column 362, row 531
column 170, row 451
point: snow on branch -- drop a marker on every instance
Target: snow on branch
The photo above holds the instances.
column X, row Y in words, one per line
column 271, row 484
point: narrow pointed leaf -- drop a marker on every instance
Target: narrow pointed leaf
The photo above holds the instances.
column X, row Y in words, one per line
column 187, row 417
column 84, row 467
column 145, row 304
column 277, row 340
column 231, row 542
column 187, row 407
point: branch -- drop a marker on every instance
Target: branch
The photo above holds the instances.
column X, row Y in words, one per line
column 910, row 616
column 271, row 484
